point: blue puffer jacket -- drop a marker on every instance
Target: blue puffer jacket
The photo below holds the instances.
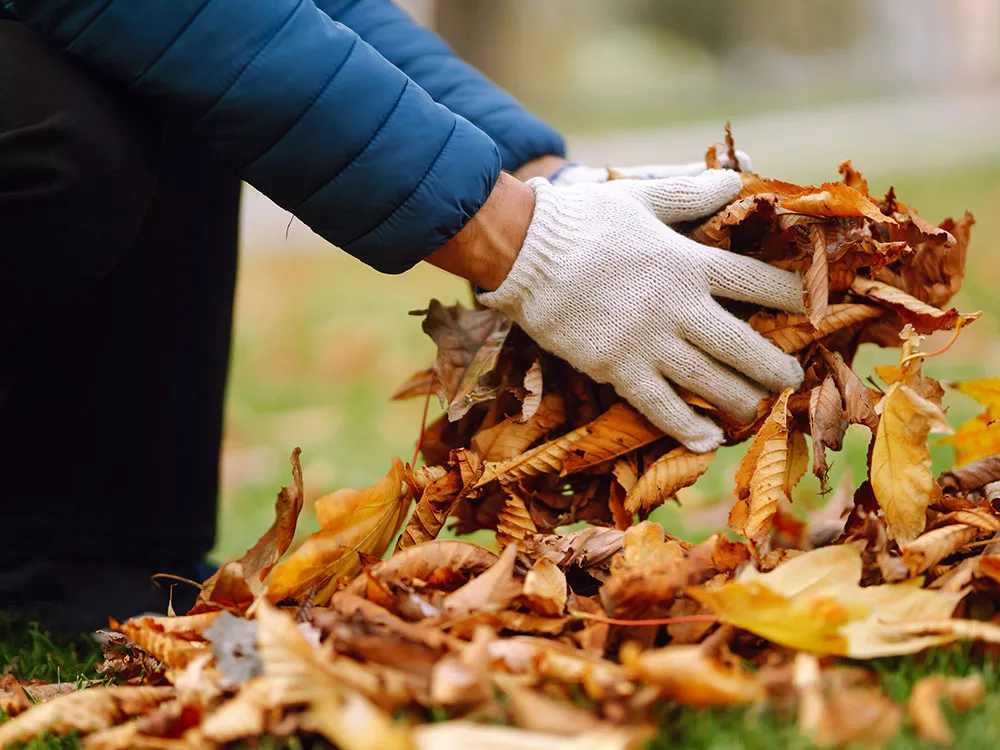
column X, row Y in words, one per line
column 311, row 113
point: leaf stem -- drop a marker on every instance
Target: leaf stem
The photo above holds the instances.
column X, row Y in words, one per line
column 680, row 620
column 942, row 350
column 423, row 420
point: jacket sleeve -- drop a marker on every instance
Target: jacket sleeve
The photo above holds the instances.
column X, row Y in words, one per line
column 425, row 58
column 299, row 106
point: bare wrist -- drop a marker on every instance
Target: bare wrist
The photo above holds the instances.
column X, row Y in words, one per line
column 543, row 166
column 487, row 246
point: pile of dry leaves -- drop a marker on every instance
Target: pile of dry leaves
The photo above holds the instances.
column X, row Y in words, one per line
column 573, row 639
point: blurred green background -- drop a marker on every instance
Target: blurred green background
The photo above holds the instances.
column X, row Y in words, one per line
column 907, row 88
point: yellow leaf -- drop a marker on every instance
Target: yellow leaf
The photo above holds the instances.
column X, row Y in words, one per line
column 813, row 602
column 353, row 521
column 669, row 473
column 901, row 462
column 985, row 390
column 978, row 438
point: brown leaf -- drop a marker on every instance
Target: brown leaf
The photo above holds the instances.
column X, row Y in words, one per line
column 619, row 430
column 514, row 522
column 491, row 590
column 545, row 588
column 353, row 522
column 460, row 334
column 816, row 280
column 853, row 178
column 587, row 548
column 442, row 559
column 923, row 317
column 924, row 705
column 85, row 711
column 928, row 549
column 236, row 584
column 773, row 465
column 299, row 673
column 836, row 718
column 834, row 199
column 418, row 385
column 172, row 649
column 973, row 476
column 510, row 438
column 667, row 475
column 480, row 381
column 792, row 332
column 858, row 405
column 431, row 511
column 533, row 389
column 827, row 423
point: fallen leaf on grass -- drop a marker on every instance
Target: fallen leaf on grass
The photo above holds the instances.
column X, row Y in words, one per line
column 814, row 603
column 924, row 705
column 686, row 675
column 84, row 712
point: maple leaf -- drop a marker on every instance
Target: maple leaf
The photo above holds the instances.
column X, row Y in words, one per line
column 352, row 522
column 813, row 602
column 236, row 584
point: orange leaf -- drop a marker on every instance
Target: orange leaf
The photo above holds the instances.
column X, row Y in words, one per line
column 669, row 473
column 923, row 317
column 235, row 585
column 834, row 199
column 792, row 332
column 353, row 522
column 619, row 430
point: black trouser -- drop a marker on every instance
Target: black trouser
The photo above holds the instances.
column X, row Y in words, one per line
column 117, row 264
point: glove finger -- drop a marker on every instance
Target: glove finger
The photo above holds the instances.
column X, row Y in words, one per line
column 732, row 341
column 683, row 198
column 741, row 157
column 745, row 279
column 659, row 403
column 693, row 369
column 663, row 171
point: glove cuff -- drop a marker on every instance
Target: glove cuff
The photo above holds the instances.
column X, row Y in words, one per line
column 547, row 245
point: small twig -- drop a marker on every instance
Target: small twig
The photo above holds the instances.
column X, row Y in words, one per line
column 171, row 577
column 423, row 421
column 942, row 350
column 680, row 620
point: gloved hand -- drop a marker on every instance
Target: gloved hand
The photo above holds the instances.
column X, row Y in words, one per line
column 575, row 173
column 604, row 283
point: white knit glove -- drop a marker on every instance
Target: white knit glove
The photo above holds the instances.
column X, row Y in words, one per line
column 575, row 173
column 602, row 282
